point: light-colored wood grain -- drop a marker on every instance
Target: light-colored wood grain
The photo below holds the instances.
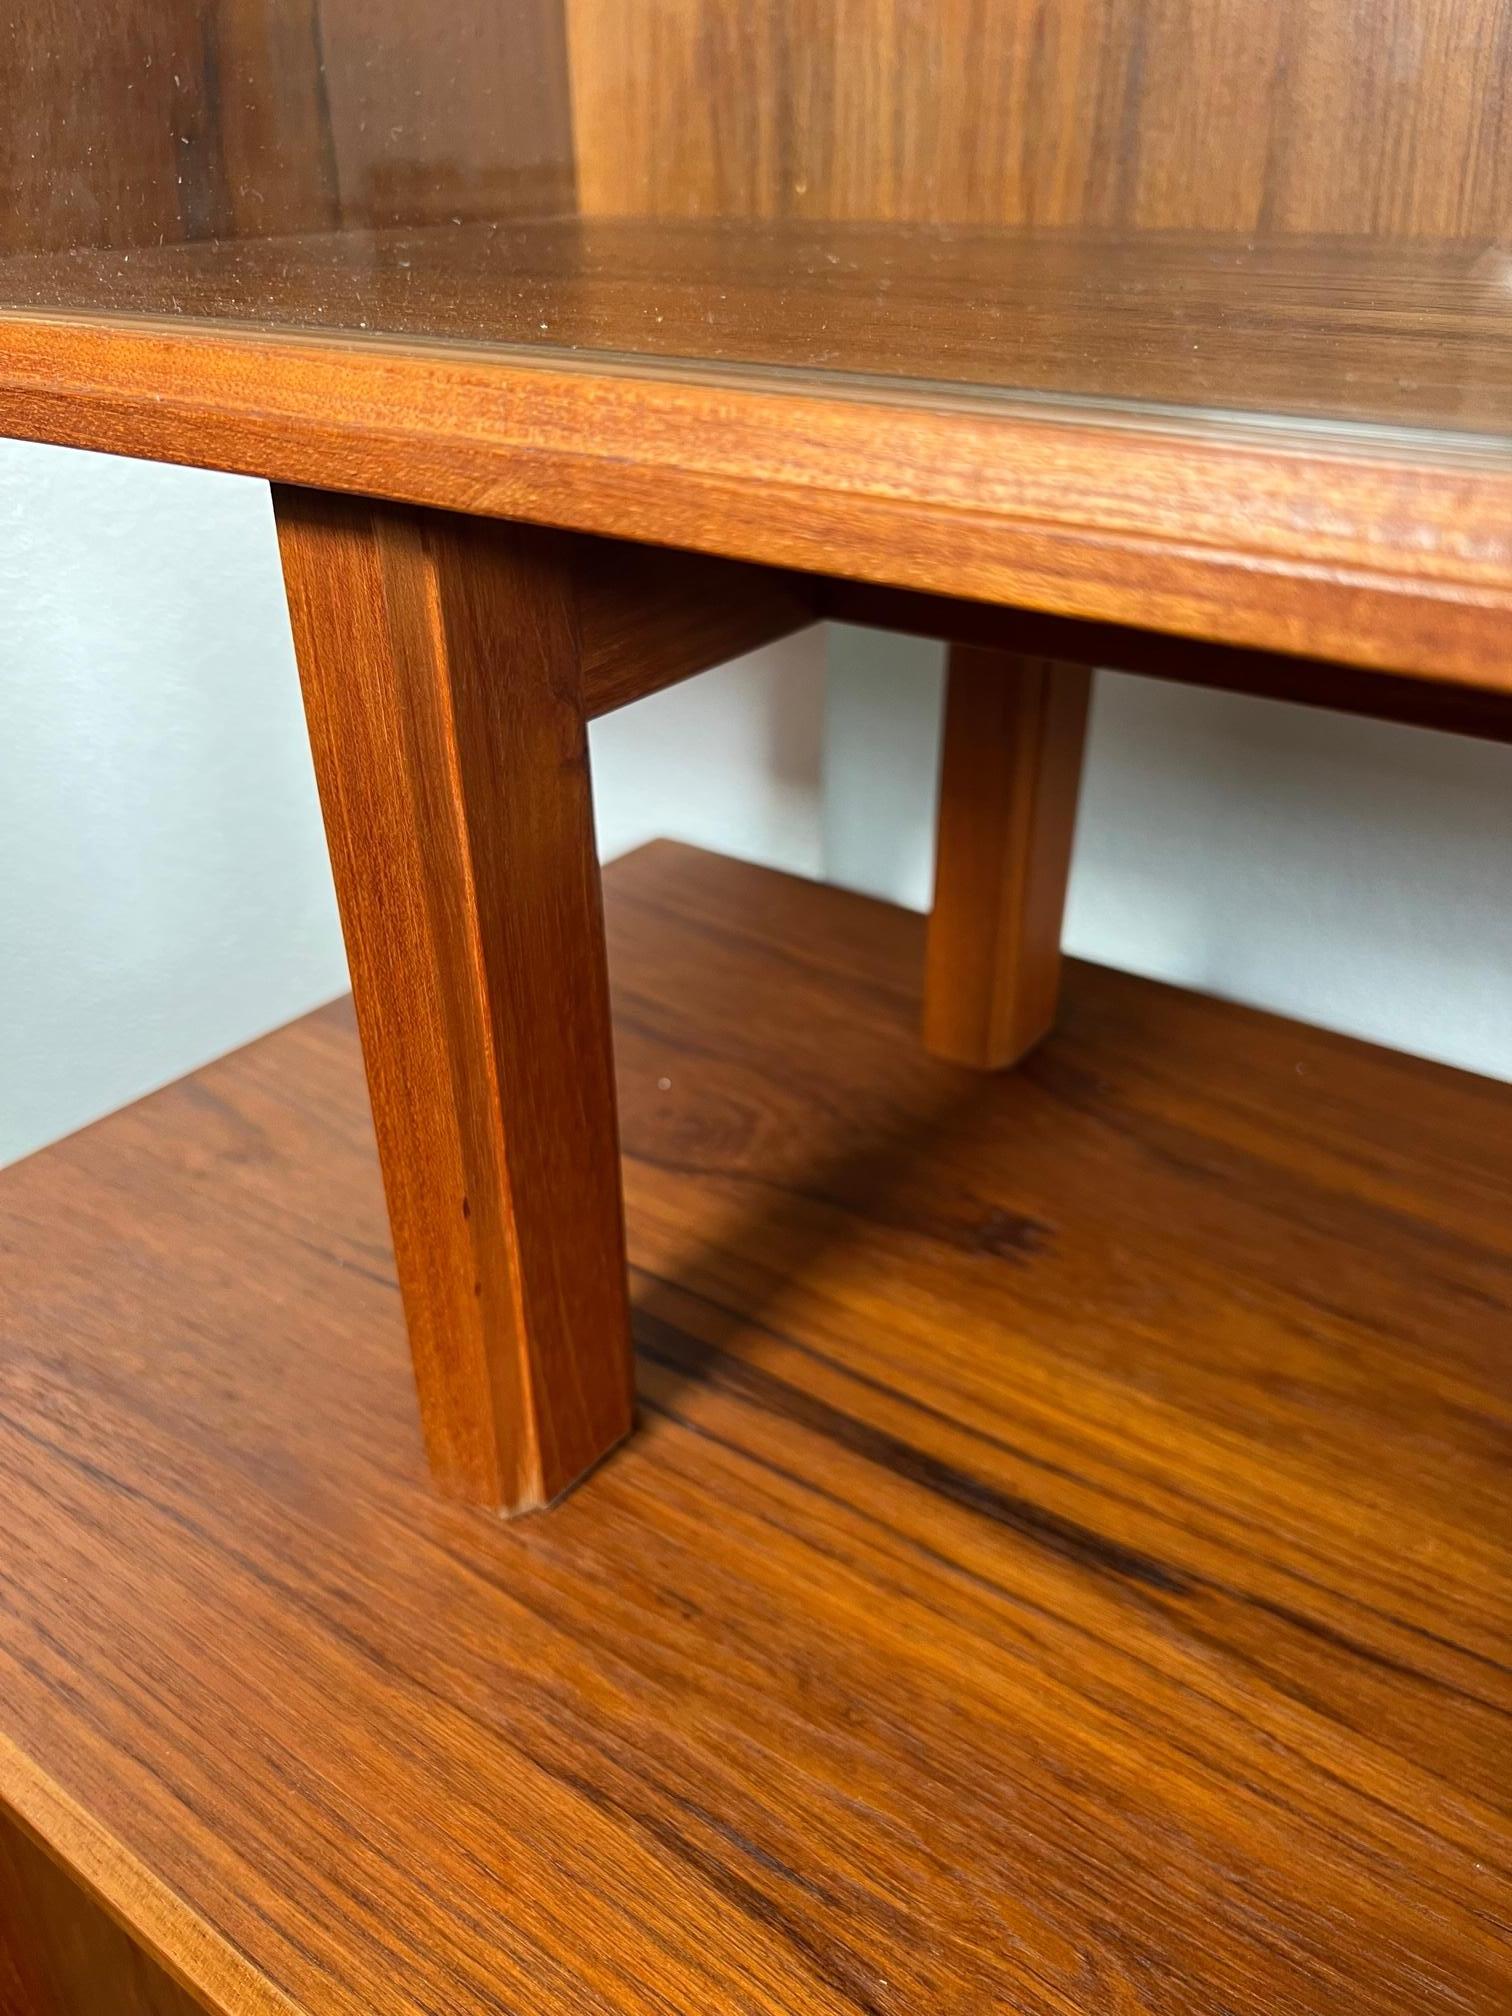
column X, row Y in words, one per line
column 441, row 665
column 1010, row 771
column 1219, row 114
column 1063, row 1568
column 1357, row 548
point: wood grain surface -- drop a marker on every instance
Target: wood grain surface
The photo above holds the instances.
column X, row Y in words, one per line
column 1063, row 1566
column 441, row 663
column 130, row 126
column 1217, row 114
column 225, row 118
column 1365, row 548
column 61, row 1954
column 1343, row 329
column 1286, row 211
column 1010, row 774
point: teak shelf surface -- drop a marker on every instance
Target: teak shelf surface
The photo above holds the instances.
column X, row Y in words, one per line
column 1299, row 445
column 1335, row 327
column 1061, row 1566
column 1192, row 318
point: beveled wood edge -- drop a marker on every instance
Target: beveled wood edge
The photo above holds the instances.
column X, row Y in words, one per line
column 151, row 1914
column 1370, row 549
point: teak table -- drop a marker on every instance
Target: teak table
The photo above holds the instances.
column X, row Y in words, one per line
column 459, row 622
column 586, row 347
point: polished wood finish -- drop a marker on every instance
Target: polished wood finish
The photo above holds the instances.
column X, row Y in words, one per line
column 99, row 1878
column 437, row 114
column 442, row 671
column 652, row 617
column 1010, row 771
column 1345, row 330
column 1287, row 117
column 199, row 119
column 1064, row 1565
column 1192, row 204
column 61, row 1955
column 1360, row 549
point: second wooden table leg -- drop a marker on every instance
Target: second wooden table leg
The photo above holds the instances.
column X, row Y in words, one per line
column 441, row 666
column 1009, row 776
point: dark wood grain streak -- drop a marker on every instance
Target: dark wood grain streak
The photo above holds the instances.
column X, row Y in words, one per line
column 243, row 119
column 441, row 662
column 1064, row 1565
column 132, row 127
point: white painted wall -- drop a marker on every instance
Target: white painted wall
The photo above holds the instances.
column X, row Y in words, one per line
column 164, row 888
column 1350, row 873
column 730, row 761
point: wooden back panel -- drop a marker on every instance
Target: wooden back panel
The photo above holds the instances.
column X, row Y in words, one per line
column 446, row 109
column 1275, row 116
column 142, row 122
column 135, row 122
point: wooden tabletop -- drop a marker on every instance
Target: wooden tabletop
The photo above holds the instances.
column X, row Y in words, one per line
column 1343, row 330
column 1385, row 548
column 1062, row 1566
column 1192, row 318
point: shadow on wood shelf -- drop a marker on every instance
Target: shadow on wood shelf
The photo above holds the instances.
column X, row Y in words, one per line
column 1062, row 1563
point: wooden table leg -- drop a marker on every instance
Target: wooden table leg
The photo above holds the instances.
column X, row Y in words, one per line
column 1010, row 772
column 442, row 673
